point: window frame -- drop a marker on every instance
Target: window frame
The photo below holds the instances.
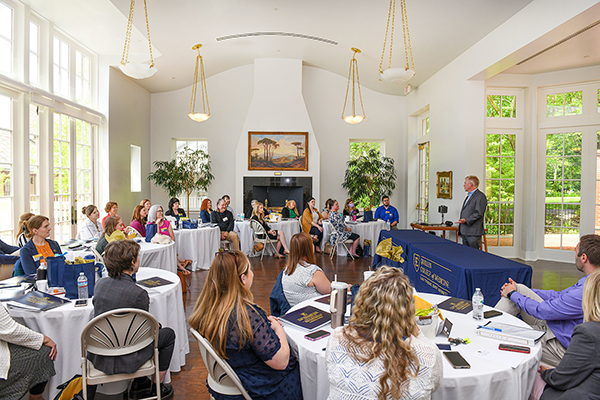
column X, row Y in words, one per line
column 196, row 197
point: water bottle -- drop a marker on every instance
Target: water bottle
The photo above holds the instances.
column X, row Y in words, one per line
column 478, row 305
column 387, row 225
column 82, row 286
column 180, row 224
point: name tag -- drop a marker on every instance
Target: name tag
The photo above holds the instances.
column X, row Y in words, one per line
column 225, row 219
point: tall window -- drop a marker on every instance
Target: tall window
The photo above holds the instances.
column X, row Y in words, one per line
column 34, row 53
column 425, row 127
column 196, row 197
column 6, row 39
column 34, row 160
column 6, row 166
column 82, row 78
column 423, row 205
column 500, row 188
column 62, row 178
column 60, row 61
column 84, row 164
column 597, row 193
column 563, row 190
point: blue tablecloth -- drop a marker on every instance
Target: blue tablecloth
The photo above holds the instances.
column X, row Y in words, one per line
column 436, row 265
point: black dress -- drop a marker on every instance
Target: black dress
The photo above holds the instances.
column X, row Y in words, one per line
column 170, row 213
column 266, row 227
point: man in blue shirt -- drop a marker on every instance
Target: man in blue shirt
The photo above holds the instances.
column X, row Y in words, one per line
column 556, row 313
column 387, row 212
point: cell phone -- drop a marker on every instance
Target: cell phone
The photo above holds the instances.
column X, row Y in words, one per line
column 491, row 314
column 317, row 335
column 512, row 347
column 457, row 361
column 81, row 303
column 442, row 346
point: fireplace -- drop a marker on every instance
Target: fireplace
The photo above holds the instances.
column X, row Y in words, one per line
column 276, row 190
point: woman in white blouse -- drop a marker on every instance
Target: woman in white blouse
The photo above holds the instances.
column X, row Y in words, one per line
column 302, row 279
column 26, row 360
column 91, row 228
column 382, row 354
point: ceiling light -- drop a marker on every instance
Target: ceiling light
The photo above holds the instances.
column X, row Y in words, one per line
column 139, row 70
column 353, row 77
column 205, row 114
column 397, row 74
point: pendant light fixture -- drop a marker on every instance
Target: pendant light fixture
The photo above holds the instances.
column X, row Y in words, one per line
column 354, row 79
column 398, row 74
column 205, row 114
column 139, row 70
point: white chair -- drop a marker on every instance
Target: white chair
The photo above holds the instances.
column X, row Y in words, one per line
column 221, row 377
column 225, row 242
column 344, row 243
column 261, row 236
column 116, row 333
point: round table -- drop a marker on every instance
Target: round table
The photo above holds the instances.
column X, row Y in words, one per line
column 64, row 326
column 366, row 230
column 289, row 227
column 485, row 379
column 198, row 245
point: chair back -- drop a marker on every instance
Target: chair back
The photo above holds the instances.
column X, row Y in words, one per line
column 277, row 301
column 257, row 228
column 119, row 332
column 221, row 377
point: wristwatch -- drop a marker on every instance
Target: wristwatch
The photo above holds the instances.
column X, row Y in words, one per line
column 510, row 294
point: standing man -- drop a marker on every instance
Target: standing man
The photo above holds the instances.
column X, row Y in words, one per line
column 470, row 224
column 224, row 219
column 387, row 212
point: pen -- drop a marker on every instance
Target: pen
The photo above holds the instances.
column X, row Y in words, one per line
column 489, row 328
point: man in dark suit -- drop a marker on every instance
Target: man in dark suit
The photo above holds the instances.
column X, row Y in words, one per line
column 470, row 224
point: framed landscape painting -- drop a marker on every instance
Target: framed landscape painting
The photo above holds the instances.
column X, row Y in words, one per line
column 278, row 151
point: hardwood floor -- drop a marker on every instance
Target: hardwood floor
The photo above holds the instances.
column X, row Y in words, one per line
column 190, row 382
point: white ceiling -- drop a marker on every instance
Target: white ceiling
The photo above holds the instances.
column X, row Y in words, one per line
column 440, row 31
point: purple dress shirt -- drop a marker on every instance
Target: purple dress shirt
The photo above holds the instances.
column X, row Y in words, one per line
column 562, row 310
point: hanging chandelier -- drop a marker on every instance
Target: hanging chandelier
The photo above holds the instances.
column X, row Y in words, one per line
column 398, row 74
column 139, row 70
column 353, row 77
column 205, row 114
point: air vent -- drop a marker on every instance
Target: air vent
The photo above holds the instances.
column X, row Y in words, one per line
column 284, row 34
column 579, row 32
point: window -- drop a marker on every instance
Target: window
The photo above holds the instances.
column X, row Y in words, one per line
column 82, row 78
column 563, row 190
column 60, row 62
column 360, row 147
column 6, row 166
column 84, row 164
column 62, row 178
column 196, row 197
column 425, row 127
column 500, row 188
column 6, row 39
column 568, row 103
column 34, row 53
column 423, row 205
column 502, row 106
column 34, row 160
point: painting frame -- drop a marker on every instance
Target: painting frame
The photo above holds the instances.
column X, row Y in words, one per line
column 286, row 160
column 444, row 184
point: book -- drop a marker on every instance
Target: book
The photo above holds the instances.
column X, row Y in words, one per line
column 307, row 318
column 457, row 305
column 511, row 333
column 154, row 282
column 38, row 301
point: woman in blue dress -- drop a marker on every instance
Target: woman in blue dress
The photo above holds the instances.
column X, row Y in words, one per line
column 254, row 345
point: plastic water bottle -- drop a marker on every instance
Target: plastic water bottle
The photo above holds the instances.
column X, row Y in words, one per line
column 478, row 305
column 387, row 225
column 82, row 286
column 180, row 224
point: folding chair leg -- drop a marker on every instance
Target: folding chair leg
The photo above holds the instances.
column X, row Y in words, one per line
column 348, row 250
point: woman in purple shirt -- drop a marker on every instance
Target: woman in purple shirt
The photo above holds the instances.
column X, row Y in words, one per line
column 137, row 219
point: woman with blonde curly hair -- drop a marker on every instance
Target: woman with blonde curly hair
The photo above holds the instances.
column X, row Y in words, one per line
column 382, row 339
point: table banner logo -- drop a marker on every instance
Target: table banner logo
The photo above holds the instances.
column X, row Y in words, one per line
column 416, row 262
column 429, row 273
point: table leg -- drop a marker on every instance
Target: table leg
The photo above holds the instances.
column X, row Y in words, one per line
column 444, row 234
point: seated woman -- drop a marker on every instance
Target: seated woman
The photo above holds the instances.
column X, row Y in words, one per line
column 302, row 279
column 113, row 231
column 325, row 211
column 163, row 227
column 253, row 344
column 27, row 360
column 311, row 223
column 382, row 341
column 111, row 209
column 578, row 374
column 119, row 290
column 205, row 210
column 339, row 231
column 91, row 228
column 349, row 208
column 147, row 204
column 290, row 210
column 258, row 214
column 174, row 210
column 38, row 232
column 22, row 231
column 137, row 219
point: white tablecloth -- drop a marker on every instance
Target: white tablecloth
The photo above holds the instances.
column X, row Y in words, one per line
column 198, row 245
column 485, row 380
column 366, row 230
column 65, row 324
column 244, row 231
